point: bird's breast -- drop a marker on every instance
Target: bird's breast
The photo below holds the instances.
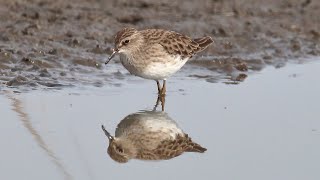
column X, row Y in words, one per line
column 153, row 67
column 164, row 128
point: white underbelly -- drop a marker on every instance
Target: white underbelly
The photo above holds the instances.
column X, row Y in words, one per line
column 158, row 70
column 161, row 122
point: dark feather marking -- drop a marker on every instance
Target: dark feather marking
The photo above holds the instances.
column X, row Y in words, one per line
column 124, row 33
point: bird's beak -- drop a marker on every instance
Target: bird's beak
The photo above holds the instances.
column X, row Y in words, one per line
column 115, row 51
column 107, row 133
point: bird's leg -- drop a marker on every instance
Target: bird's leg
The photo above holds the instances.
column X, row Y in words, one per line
column 163, row 100
column 159, row 87
column 161, row 95
column 163, row 90
column 157, row 103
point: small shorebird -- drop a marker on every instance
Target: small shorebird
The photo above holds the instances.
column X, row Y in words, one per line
column 149, row 135
column 155, row 53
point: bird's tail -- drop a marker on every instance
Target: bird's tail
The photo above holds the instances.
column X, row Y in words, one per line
column 194, row 147
column 203, row 42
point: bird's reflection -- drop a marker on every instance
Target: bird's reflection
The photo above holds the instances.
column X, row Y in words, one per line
column 149, row 135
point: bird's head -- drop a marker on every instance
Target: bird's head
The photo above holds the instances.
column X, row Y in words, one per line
column 118, row 150
column 126, row 41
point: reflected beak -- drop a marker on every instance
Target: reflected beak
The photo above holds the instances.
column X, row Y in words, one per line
column 112, row 55
column 107, row 133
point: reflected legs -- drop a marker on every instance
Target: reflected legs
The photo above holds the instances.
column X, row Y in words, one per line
column 161, row 99
column 161, row 95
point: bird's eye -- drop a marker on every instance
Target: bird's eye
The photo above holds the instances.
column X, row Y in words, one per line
column 125, row 42
column 120, row 150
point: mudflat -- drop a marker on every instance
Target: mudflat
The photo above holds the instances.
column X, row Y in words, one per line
column 61, row 43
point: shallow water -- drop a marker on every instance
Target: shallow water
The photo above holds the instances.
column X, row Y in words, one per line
column 266, row 127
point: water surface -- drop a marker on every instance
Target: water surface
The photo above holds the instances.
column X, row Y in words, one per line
column 266, row 127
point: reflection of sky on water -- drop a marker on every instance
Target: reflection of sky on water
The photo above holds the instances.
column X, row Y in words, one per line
column 264, row 128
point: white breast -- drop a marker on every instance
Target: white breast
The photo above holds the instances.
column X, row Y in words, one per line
column 158, row 69
column 167, row 127
column 147, row 123
column 164, row 69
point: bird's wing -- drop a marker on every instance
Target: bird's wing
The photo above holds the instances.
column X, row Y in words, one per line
column 168, row 149
column 147, row 155
column 177, row 44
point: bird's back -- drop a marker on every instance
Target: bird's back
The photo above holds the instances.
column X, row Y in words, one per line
column 171, row 148
column 175, row 43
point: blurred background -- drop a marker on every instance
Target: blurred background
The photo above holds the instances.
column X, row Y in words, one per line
column 39, row 36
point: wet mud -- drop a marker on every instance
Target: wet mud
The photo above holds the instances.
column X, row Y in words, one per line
column 65, row 43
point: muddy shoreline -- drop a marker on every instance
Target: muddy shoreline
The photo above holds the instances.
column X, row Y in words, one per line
column 64, row 43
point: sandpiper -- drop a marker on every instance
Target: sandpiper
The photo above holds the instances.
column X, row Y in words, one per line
column 155, row 53
column 149, row 135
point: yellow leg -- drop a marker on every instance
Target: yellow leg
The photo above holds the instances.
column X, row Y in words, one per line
column 164, row 89
column 161, row 99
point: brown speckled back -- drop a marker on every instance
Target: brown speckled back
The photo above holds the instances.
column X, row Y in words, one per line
column 175, row 43
column 171, row 148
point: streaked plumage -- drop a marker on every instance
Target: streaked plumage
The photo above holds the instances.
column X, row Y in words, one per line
column 156, row 53
column 149, row 135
